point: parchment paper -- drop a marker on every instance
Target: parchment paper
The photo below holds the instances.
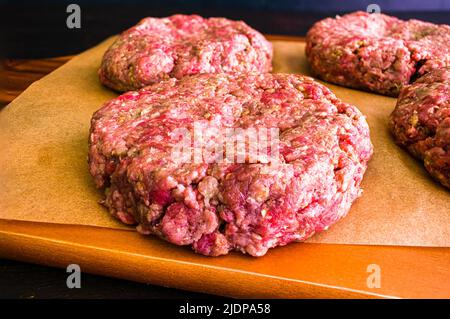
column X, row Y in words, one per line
column 44, row 175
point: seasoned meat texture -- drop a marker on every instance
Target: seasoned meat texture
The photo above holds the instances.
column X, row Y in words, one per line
column 160, row 48
column 376, row 52
column 421, row 122
column 221, row 205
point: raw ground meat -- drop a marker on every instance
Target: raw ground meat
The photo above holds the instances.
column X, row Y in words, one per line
column 421, row 122
column 376, row 52
column 160, row 48
column 216, row 207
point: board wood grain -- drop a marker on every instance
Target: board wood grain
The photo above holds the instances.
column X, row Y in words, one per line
column 310, row 271
column 297, row 271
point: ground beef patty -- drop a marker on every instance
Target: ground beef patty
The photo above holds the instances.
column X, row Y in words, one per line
column 218, row 206
column 421, row 122
column 160, row 48
column 376, row 52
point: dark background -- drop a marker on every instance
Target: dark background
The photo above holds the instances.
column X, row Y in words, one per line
column 36, row 29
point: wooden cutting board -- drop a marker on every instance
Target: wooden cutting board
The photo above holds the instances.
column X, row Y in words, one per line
column 295, row 271
column 55, row 221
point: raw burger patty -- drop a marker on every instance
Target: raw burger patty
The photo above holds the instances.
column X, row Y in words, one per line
column 160, row 48
column 324, row 147
column 421, row 122
column 376, row 52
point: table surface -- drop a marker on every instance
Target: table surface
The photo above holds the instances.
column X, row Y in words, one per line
column 30, row 281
